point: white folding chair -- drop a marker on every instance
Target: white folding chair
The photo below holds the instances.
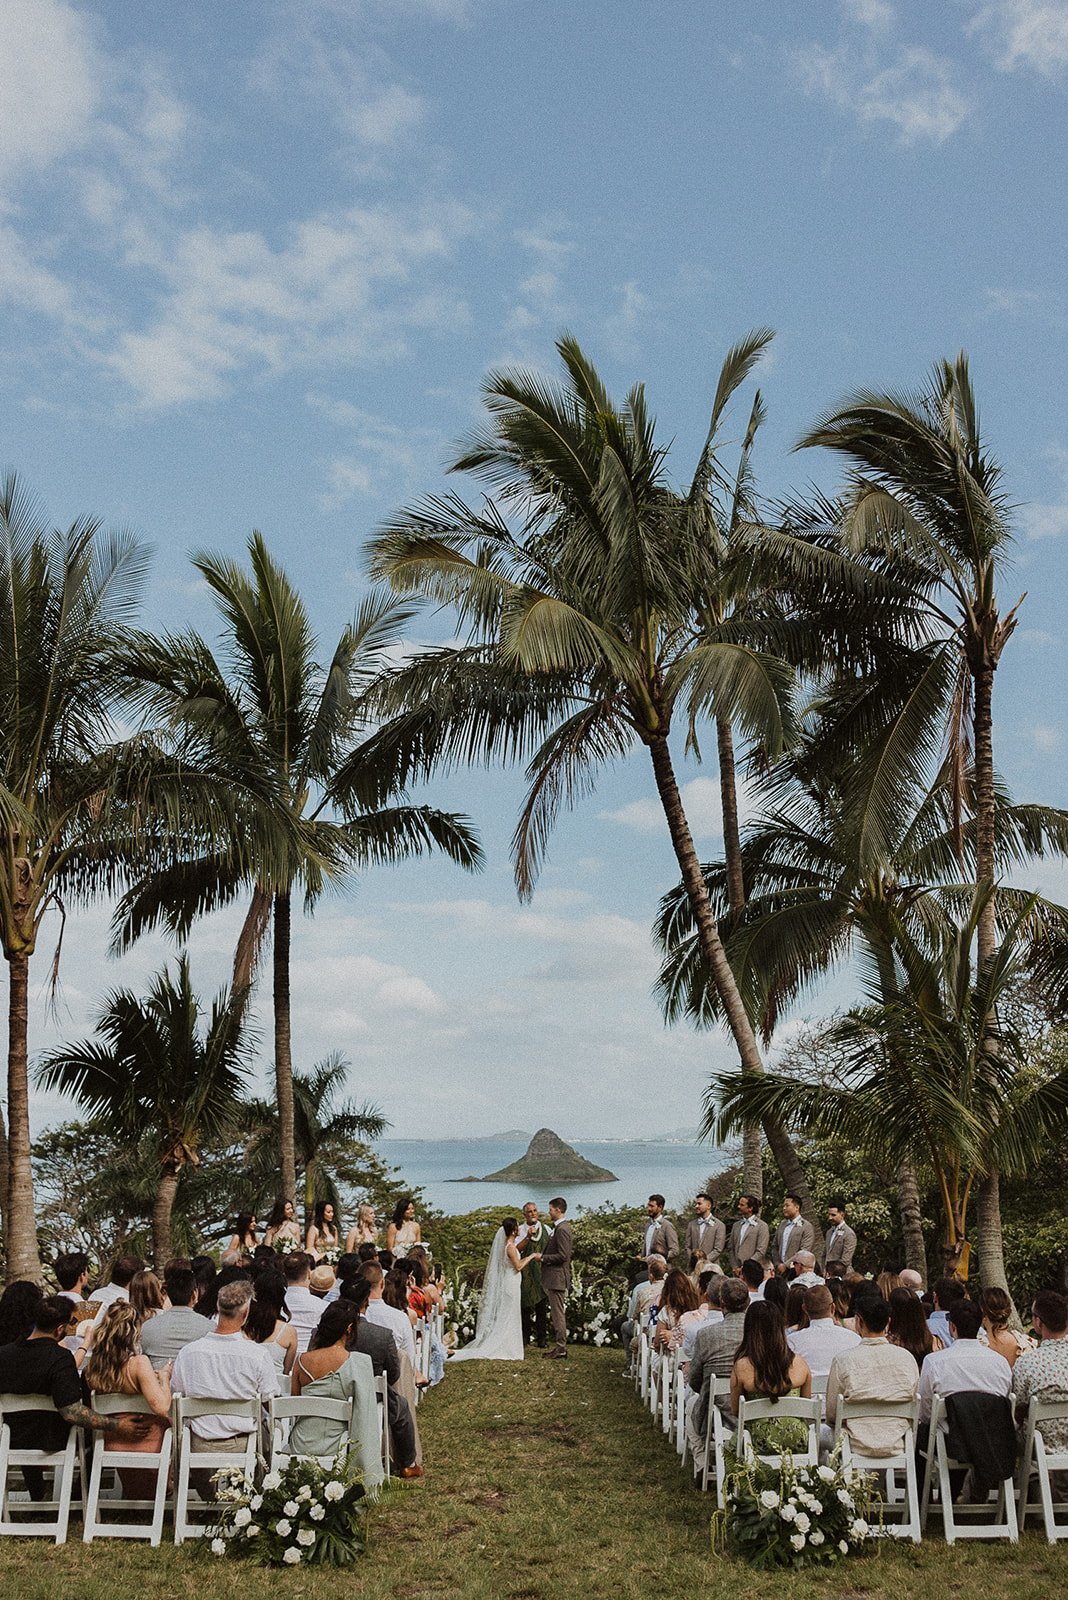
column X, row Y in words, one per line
column 904, row 1460
column 788, row 1407
column 819, row 1385
column 715, row 1439
column 938, row 1460
column 644, row 1365
column 1038, row 1462
column 94, row 1524
column 679, row 1404
column 668, row 1368
column 185, row 1410
column 382, row 1396
column 63, row 1464
column 281, row 1411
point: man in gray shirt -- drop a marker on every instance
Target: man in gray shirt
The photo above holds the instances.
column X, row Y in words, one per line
column 713, row 1357
column 163, row 1335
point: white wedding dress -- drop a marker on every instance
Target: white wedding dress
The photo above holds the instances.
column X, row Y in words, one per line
column 499, row 1331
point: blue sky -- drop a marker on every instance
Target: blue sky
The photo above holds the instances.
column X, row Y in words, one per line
column 254, row 259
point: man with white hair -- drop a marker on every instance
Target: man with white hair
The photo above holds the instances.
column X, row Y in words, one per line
column 224, row 1365
column 912, row 1281
column 804, row 1265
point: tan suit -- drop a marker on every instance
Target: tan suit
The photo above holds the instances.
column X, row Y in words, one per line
column 665, row 1241
column 705, row 1243
column 840, row 1244
column 791, row 1236
column 749, row 1240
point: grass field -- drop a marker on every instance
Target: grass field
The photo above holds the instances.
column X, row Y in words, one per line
column 544, row 1482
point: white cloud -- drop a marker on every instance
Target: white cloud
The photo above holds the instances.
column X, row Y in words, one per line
column 381, row 456
column 915, row 93
column 1048, row 519
column 53, row 82
column 878, row 15
column 701, row 802
column 1046, row 739
column 625, row 319
column 1025, row 33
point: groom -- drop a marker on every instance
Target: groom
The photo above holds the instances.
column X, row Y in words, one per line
column 556, row 1276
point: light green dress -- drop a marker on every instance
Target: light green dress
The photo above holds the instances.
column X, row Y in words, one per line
column 315, row 1436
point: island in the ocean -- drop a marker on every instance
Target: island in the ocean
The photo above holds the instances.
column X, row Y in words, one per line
column 548, row 1160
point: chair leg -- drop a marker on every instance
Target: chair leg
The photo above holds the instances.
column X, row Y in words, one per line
column 945, row 1492
column 89, row 1517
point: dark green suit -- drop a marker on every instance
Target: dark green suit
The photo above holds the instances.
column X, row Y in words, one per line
column 533, row 1301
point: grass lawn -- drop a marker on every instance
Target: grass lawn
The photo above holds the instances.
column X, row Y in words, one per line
column 544, row 1482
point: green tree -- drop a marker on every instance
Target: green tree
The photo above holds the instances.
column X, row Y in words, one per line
column 150, row 1071
column 269, row 708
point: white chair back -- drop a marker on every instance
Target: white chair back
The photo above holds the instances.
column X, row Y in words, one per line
column 787, row 1408
column 957, row 1520
column 63, row 1464
column 906, row 1525
column 186, row 1409
column 1038, row 1462
column 382, row 1396
column 95, row 1523
column 282, row 1410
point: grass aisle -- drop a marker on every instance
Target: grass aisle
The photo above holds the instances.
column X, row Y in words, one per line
column 544, row 1482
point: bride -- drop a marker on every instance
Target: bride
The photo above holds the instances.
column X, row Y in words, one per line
column 499, row 1334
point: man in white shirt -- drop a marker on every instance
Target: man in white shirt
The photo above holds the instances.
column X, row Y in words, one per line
column 966, row 1364
column 224, row 1365
column 389, row 1317
column 823, row 1339
column 874, row 1369
column 72, row 1275
column 121, row 1273
column 304, row 1308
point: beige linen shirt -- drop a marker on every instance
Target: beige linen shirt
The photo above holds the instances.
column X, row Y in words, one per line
column 873, row 1370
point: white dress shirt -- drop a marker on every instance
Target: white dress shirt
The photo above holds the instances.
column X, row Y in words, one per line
column 224, row 1366
column 398, row 1324
column 820, row 1342
column 105, row 1297
column 965, row 1365
column 304, row 1313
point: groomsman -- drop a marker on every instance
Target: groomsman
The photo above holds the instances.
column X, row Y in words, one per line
column 660, row 1236
column 705, row 1234
column 792, row 1234
column 749, row 1236
column 840, row 1242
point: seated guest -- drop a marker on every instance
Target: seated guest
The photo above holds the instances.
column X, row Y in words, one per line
column 947, row 1291
column 1043, row 1373
column 224, row 1365
column 386, row 1260
column 873, row 1369
column 713, row 1357
column 118, row 1286
column 146, row 1294
column 754, row 1275
column 862, row 1290
column 838, row 1290
column 822, row 1339
column 642, row 1296
column 677, row 1298
column 323, row 1282
column 118, row 1366
column 366, row 1252
column 72, row 1274
column 804, row 1269
column 395, row 1290
column 206, row 1274
column 966, row 1364
column 168, row 1332
column 908, row 1328
column 269, row 1325
column 707, row 1314
column 911, row 1280
column 382, row 1315
column 378, row 1343
column 995, row 1333
column 790, row 1299
column 304, row 1309
column 329, row 1370
column 36, row 1363
column 18, row 1310
column 765, row 1368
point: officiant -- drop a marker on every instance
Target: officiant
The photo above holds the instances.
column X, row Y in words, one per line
column 534, row 1235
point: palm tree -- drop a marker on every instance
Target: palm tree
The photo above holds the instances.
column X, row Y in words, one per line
column 151, row 1072
column 595, row 623
column 324, row 1132
column 933, row 1075
column 268, row 708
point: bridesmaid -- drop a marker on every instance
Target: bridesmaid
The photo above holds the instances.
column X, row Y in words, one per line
column 323, row 1232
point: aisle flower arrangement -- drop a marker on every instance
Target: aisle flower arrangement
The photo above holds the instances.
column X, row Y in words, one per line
column 795, row 1516
column 304, row 1514
column 591, row 1307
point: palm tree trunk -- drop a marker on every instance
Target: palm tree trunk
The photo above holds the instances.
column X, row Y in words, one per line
column 283, row 1052
column 910, row 1211
column 23, row 1260
column 752, row 1169
column 991, row 1240
column 162, row 1209
column 716, row 958
column 3, row 1173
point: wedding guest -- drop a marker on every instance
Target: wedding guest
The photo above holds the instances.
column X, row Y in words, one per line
column 378, row 1343
column 911, row 1280
column 117, row 1365
column 330, row 1370
column 840, row 1241
column 367, row 1252
column 244, row 1241
column 706, row 1236
column 754, row 1275
column 660, row 1236
column 803, row 1268
column 707, row 1314
column 303, row 1308
column 387, row 1260
column 118, row 1286
column 677, row 1298
column 266, row 1326
column 965, row 1364
column 821, row 1340
column 995, row 1333
column 323, row 1232
column 365, row 1228
column 792, row 1235
column 765, row 1368
column 947, row 1291
column 386, row 1316
column 873, row 1369
column 423, row 1296
column 224, row 1365
column 206, row 1273
column 1043, row 1373
column 791, row 1302
column 283, row 1230
column 749, row 1236
column 165, row 1334
column 72, row 1274
column 839, row 1292
column 402, row 1230
column 713, row 1357
column 18, row 1308
column 146, row 1295
column 909, row 1329
column 640, row 1299
column 323, row 1282
column 887, row 1282
column 395, row 1290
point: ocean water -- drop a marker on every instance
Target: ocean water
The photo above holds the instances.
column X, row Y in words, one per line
column 676, row 1171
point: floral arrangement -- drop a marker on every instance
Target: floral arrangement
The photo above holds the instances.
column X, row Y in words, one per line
column 795, row 1516
column 329, row 1256
column 285, row 1244
column 591, row 1307
column 304, row 1513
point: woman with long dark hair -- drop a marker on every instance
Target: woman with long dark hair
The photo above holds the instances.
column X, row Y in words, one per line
column 330, row 1371
column 908, row 1326
column 269, row 1323
column 283, row 1229
column 323, row 1232
column 765, row 1368
column 18, row 1308
column 244, row 1241
column 402, row 1230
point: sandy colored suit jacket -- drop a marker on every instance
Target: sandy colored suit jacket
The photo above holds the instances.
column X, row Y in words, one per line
column 754, row 1242
column 710, row 1245
column 845, row 1248
column 790, row 1237
column 665, row 1240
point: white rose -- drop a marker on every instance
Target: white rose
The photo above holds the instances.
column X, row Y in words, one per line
column 859, row 1530
column 304, row 1493
column 272, row 1480
column 317, row 1513
column 768, row 1499
column 283, row 1528
column 218, row 1547
column 797, row 1540
column 788, row 1513
column 291, row 1557
column 815, row 1537
column 334, row 1490
column 242, row 1516
column 816, row 1508
column 802, row 1523
column 255, row 1502
column 843, row 1547
column 826, row 1475
column 306, row 1537
column 846, row 1498
column 252, row 1530
column 291, row 1508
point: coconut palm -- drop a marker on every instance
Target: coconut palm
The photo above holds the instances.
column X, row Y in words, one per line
column 267, row 707
column 325, row 1130
column 151, row 1073
column 593, row 596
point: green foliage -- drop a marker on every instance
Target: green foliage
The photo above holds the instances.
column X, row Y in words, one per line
column 328, row 1528
column 791, row 1516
